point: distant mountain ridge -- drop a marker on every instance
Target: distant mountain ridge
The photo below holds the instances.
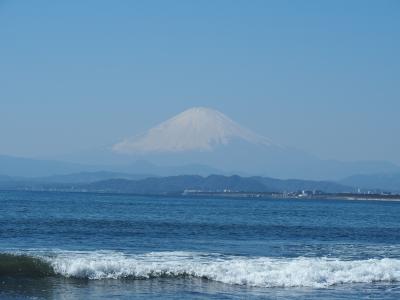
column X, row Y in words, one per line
column 88, row 177
column 12, row 166
column 385, row 182
column 177, row 184
column 28, row 167
column 149, row 183
column 334, row 170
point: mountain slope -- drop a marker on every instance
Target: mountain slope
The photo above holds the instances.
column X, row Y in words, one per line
column 196, row 129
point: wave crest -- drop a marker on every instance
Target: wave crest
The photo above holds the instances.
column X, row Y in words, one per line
column 24, row 266
column 256, row 271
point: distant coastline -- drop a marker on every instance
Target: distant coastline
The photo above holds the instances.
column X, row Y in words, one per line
column 209, row 186
column 228, row 194
column 300, row 195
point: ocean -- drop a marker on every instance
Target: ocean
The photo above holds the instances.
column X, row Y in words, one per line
column 107, row 246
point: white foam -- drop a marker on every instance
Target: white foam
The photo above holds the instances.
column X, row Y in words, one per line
column 261, row 271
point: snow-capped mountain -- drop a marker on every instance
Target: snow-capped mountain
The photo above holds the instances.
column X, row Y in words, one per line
column 203, row 136
column 196, row 129
column 198, row 141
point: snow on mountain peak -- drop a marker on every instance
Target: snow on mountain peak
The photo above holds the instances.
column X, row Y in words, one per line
column 198, row 128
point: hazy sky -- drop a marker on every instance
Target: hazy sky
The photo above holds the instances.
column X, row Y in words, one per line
column 323, row 76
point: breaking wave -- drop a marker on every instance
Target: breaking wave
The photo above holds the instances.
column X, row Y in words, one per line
column 250, row 271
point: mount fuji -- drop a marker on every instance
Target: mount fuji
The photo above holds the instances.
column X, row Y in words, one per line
column 198, row 141
column 196, row 129
column 204, row 136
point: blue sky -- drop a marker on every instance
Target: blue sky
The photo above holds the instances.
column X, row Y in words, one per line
column 323, row 76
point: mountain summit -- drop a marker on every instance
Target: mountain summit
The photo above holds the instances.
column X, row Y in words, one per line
column 196, row 129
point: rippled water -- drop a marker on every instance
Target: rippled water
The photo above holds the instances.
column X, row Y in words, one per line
column 78, row 245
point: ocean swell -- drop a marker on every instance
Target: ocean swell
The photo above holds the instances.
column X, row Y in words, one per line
column 250, row 271
column 24, row 266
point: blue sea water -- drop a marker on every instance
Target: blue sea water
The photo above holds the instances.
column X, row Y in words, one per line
column 100, row 246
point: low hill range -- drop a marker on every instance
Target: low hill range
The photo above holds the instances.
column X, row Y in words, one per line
column 123, row 183
column 155, row 184
column 214, row 183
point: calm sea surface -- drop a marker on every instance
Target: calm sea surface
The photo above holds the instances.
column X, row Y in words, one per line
column 83, row 246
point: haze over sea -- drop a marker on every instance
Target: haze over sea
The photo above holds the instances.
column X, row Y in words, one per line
column 79, row 245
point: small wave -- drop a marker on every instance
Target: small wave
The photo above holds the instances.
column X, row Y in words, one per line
column 250, row 271
column 24, row 266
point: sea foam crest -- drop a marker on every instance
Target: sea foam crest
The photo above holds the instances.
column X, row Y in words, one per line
column 260, row 271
